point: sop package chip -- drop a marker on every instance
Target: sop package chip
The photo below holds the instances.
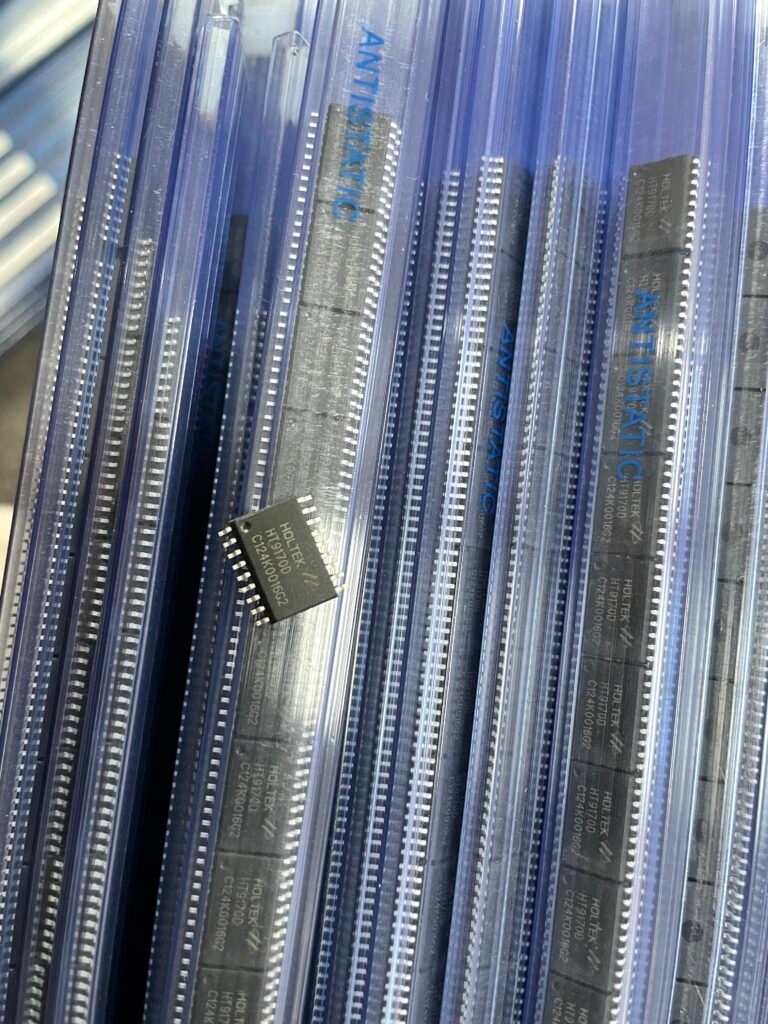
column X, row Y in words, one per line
column 277, row 560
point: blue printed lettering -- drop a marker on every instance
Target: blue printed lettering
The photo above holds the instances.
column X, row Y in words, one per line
column 634, row 429
column 353, row 165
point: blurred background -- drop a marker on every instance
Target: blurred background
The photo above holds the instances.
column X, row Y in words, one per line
column 43, row 50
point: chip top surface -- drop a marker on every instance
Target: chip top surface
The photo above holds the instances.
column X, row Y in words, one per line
column 280, row 563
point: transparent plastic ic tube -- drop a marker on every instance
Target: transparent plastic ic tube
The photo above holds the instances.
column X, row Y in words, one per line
column 720, row 969
column 132, row 664
column 738, row 990
column 395, row 527
column 74, row 615
column 720, row 952
column 45, row 537
column 269, row 199
column 278, row 694
column 94, row 89
column 406, row 883
column 616, row 856
column 348, row 835
column 523, row 629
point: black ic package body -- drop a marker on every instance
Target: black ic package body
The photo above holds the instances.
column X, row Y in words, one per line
column 278, row 563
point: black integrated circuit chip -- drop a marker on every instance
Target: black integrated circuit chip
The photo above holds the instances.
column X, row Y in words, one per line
column 278, row 563
column 619, row 629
